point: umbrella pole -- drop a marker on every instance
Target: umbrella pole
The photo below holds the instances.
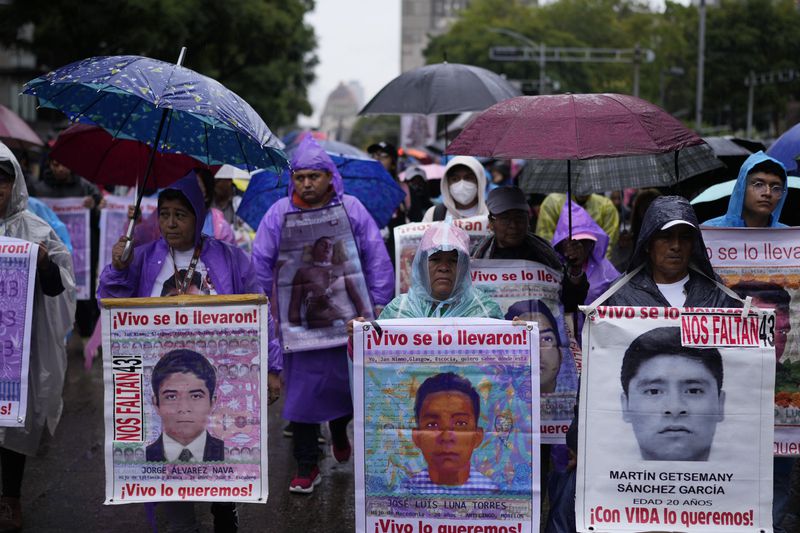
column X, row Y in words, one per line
column 569, row 196
column 126, row 253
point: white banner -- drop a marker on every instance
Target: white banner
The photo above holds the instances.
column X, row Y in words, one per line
column 675, row 432
column 76, row 218
column 446, row 426
column 185, row 419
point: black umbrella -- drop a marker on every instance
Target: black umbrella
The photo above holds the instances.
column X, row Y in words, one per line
column 440, row 89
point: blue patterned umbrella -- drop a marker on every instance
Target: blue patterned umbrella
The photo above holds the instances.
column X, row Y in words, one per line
column 161, row 103
column 366, row 179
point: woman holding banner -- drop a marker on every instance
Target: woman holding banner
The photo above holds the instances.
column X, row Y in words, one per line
column 53, row 313
column 182, row 261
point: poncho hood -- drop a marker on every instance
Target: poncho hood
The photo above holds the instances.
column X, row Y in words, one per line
column 733, row 218
column 190, row 188
column 582, row 222
column 666, row 209
column 311, row 156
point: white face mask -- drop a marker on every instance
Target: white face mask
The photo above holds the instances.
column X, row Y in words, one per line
column 463, row 191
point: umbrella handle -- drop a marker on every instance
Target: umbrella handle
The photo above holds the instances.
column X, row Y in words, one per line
column 126, row 253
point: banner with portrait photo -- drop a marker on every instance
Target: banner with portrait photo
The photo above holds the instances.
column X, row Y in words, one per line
column 446, row 426
column 114, row 223
column 320, row 283
column 17, row 282
column 530, row 291
column 765, row 264
column 184, row 415
column 408, row 236
column 76, row 218
column 675, row 421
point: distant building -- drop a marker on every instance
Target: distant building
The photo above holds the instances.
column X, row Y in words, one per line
column 16, row 68
column 340, row 113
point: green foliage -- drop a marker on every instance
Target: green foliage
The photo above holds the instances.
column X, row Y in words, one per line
column 261, row 49
column 375, row 128
column 741, row 35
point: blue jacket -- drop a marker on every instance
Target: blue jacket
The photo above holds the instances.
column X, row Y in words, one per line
column 733, row 218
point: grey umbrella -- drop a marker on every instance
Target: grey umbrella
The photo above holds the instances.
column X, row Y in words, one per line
column 440, row 89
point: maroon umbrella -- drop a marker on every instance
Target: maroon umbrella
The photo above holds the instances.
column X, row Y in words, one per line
column 94, row 154
column 589, row 142
column 15, row 132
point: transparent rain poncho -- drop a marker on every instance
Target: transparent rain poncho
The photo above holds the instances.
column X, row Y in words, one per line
column 464, row 301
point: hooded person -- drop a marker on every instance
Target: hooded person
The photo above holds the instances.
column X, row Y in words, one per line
column 599, row 271
column 52, row 317
column 317, row 381
column 463, row 191
column 758, row 195
column 441, row 283
column 600, row 208
column 669, row 266
column 183, row 260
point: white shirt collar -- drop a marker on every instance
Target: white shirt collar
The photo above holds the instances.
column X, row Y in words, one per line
column 173, row 448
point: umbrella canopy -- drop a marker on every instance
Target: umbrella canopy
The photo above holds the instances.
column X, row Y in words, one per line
column 713, row 202
column 440, row 89
column 573, row 126
column 366, row 179
column 126, row 95
column 617, row 173
column 15, row 132
column 230, row 172
column 724, row 147
column 432, row 172
column 95, row 154
column 786, row 148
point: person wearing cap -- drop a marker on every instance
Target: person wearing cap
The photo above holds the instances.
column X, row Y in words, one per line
column 386, row 154
column 511, row 239
column 600, row 208
column 669, row 266
column 758, row 195
column 590, row 254
column 463, row 191
column 756, row 202
column 226, row 197
column 420, row 201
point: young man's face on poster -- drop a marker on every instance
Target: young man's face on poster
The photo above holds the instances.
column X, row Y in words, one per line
column 673, row 404
column 184, row 404
column 447, row 434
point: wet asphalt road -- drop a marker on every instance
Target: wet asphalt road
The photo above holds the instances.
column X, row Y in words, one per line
column 63, row 489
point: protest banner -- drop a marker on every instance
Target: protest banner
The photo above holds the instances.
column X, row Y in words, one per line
column 675, row 421
column 76, row 218
column 17, row 281
column 765, row 264
column 320, row 284
column 184, row 416
column 114, row 223
column 446, row 426
column 530, row 291
column 408, row 236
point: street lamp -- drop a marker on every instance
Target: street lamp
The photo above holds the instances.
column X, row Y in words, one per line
column 541, row 47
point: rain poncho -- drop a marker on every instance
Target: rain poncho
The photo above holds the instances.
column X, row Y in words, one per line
column 43, row 211
column 641, row 290
column 447, row 200
column 733, row 218
column 599, row 270
column 228, row 266
column 464, row 301
column 52, row 319
column 318, row 381
column 600, row 208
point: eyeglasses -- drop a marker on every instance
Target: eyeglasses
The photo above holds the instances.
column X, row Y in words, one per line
column 760, row 187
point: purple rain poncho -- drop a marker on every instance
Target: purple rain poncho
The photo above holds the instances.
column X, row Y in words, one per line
column 318, row 381
column 599, row 271
column 228, row 266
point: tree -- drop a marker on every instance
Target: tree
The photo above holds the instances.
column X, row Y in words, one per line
column 371, row 129
column 260, row 49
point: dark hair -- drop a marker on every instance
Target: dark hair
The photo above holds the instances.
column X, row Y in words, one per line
column 771, row 293
column 447, row 381
column 184, row 362
column 207, row 178
column 769, row 167
column 666, row 341
column 175, row 194
column 534, row 306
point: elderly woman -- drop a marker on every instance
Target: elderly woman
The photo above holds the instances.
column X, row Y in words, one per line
column 53, row 312
column 441, row 284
